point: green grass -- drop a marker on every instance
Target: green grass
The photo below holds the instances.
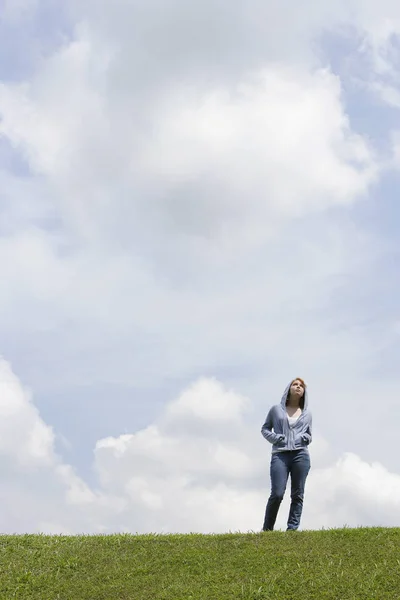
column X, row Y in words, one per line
column 339, row 564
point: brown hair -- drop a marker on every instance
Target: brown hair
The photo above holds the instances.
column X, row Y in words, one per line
column 303, row 383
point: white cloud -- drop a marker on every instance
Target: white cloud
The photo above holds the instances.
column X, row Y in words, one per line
column 30, row 491
column 354, row 493
column 162, row 206
column 207, row 402
column 24, row 438
column 277, row 142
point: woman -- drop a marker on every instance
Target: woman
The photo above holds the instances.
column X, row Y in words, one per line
column 288, row 428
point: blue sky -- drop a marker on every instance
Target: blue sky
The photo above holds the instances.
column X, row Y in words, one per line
column 29, row 31
column 196, row 204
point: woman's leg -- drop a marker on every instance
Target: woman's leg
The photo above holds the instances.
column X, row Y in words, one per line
column 299, row 469
column 279, row 472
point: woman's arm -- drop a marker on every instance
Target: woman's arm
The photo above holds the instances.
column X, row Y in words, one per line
column 307, row 436
column 267, row 432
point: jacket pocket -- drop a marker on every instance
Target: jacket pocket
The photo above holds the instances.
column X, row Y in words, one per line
column 281, row 443
column 300, row 440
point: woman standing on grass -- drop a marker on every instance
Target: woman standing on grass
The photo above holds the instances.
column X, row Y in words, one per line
column 288, row 428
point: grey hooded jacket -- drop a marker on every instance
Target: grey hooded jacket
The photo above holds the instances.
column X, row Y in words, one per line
column 280, row 434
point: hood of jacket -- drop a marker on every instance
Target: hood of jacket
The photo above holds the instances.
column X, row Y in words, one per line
column 285, row 395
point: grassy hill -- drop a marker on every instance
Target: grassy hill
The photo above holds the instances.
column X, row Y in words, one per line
column 339, row 564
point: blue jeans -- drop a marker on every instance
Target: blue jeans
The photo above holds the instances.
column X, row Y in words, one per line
column 297, row 464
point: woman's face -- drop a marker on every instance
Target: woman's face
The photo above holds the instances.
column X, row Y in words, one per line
column 297, row 389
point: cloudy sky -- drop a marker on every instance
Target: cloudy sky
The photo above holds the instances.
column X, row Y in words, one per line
column 198, row 203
